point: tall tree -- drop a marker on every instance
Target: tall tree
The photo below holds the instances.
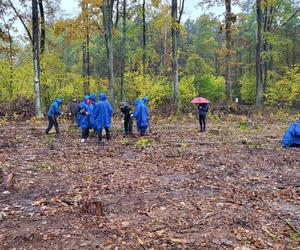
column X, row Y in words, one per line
column 107, row 9
column 228, row 70
column 259, row 82
column 144, row 37
column 123, row 49
column 43, row 26
column 86, row 49
column 36, row 60
column 175, row 34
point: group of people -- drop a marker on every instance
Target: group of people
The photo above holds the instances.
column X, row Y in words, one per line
column 96, row 115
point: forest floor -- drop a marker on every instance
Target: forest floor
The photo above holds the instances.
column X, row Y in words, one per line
column 233, row 187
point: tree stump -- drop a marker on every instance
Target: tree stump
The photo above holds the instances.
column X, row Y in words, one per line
column 93, row 207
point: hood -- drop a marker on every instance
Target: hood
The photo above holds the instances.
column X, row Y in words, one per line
column 58, row 101
column 86, row 98
column 145, row 99
column 124, row 105
column 137, row 102
column 93, row 96
column 102, row 97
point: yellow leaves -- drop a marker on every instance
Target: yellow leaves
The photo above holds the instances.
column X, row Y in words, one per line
column 77, row 197
column 179, row 241
column 160, row 232
column 39, row 202
column 155, row 3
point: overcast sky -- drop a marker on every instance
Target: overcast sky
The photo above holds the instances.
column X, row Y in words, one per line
column 70, row 9
column 191, row 9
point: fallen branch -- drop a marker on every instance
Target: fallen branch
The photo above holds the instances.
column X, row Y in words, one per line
column 287, row 223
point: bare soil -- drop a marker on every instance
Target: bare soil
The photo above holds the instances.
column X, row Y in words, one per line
column 232, row 187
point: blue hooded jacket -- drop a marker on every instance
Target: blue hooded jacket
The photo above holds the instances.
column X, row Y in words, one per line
column 93, row 98
column 103, row 113
column 292, row 135
column 145, row 99
column 54, row 108
column 84, row 114
column 141, row 114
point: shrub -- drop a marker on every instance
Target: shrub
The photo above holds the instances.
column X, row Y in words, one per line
column 248, row 88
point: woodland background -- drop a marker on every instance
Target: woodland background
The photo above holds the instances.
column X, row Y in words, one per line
column 130, row 48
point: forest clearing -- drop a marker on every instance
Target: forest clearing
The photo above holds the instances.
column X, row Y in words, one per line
column 231, row 183
column 233, row 187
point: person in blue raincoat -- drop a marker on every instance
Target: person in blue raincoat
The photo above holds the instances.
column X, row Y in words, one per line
column 92, row 105
column 142, row 116
column 103, row 114
column 84, row 118
column 137, row 103
column 292, row 135
column 52, row 115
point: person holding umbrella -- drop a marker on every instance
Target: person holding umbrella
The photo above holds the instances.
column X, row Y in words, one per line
column 202, row 111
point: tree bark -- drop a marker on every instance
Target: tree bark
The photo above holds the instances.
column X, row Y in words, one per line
column 175, row 53
column 144, row 37
column 123, row 50
column 36, row 62
column 259, row 82
column 86, row 54
column 107, row 10
column 228, row 24
column 43, row 27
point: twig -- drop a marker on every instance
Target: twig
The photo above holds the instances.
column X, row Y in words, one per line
column 287, row 223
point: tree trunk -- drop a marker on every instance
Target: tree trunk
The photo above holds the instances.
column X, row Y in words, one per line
column 165, row 52
column 259, row 82
column 249, row 57
column 36, row 62
column 107, row 9
column 10, row 59
column 87, row 59
column 228, row 24
column 265, row 48
column 86, row 56
column 123, row 50
column 144, row 37
column 294, row 42
column 84, row 69
column 117, row 14
column 43, row 27
column 175, row 53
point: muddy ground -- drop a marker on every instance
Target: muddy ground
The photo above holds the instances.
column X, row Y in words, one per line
column 233, row 187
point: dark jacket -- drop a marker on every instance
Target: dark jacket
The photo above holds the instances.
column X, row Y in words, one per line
column 202, row 109
column 73, row 108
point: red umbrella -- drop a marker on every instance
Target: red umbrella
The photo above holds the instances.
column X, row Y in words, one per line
column 199, row 100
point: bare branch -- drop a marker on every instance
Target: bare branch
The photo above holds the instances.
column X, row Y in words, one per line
column 289, row 19
column 22, row 21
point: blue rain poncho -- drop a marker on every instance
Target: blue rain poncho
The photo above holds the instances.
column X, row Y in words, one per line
column 292, row 135
column 137, row 103
column 92, row 105
column 141, row 114
column 54, row 108
column 84, row 114
column 102, row 113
